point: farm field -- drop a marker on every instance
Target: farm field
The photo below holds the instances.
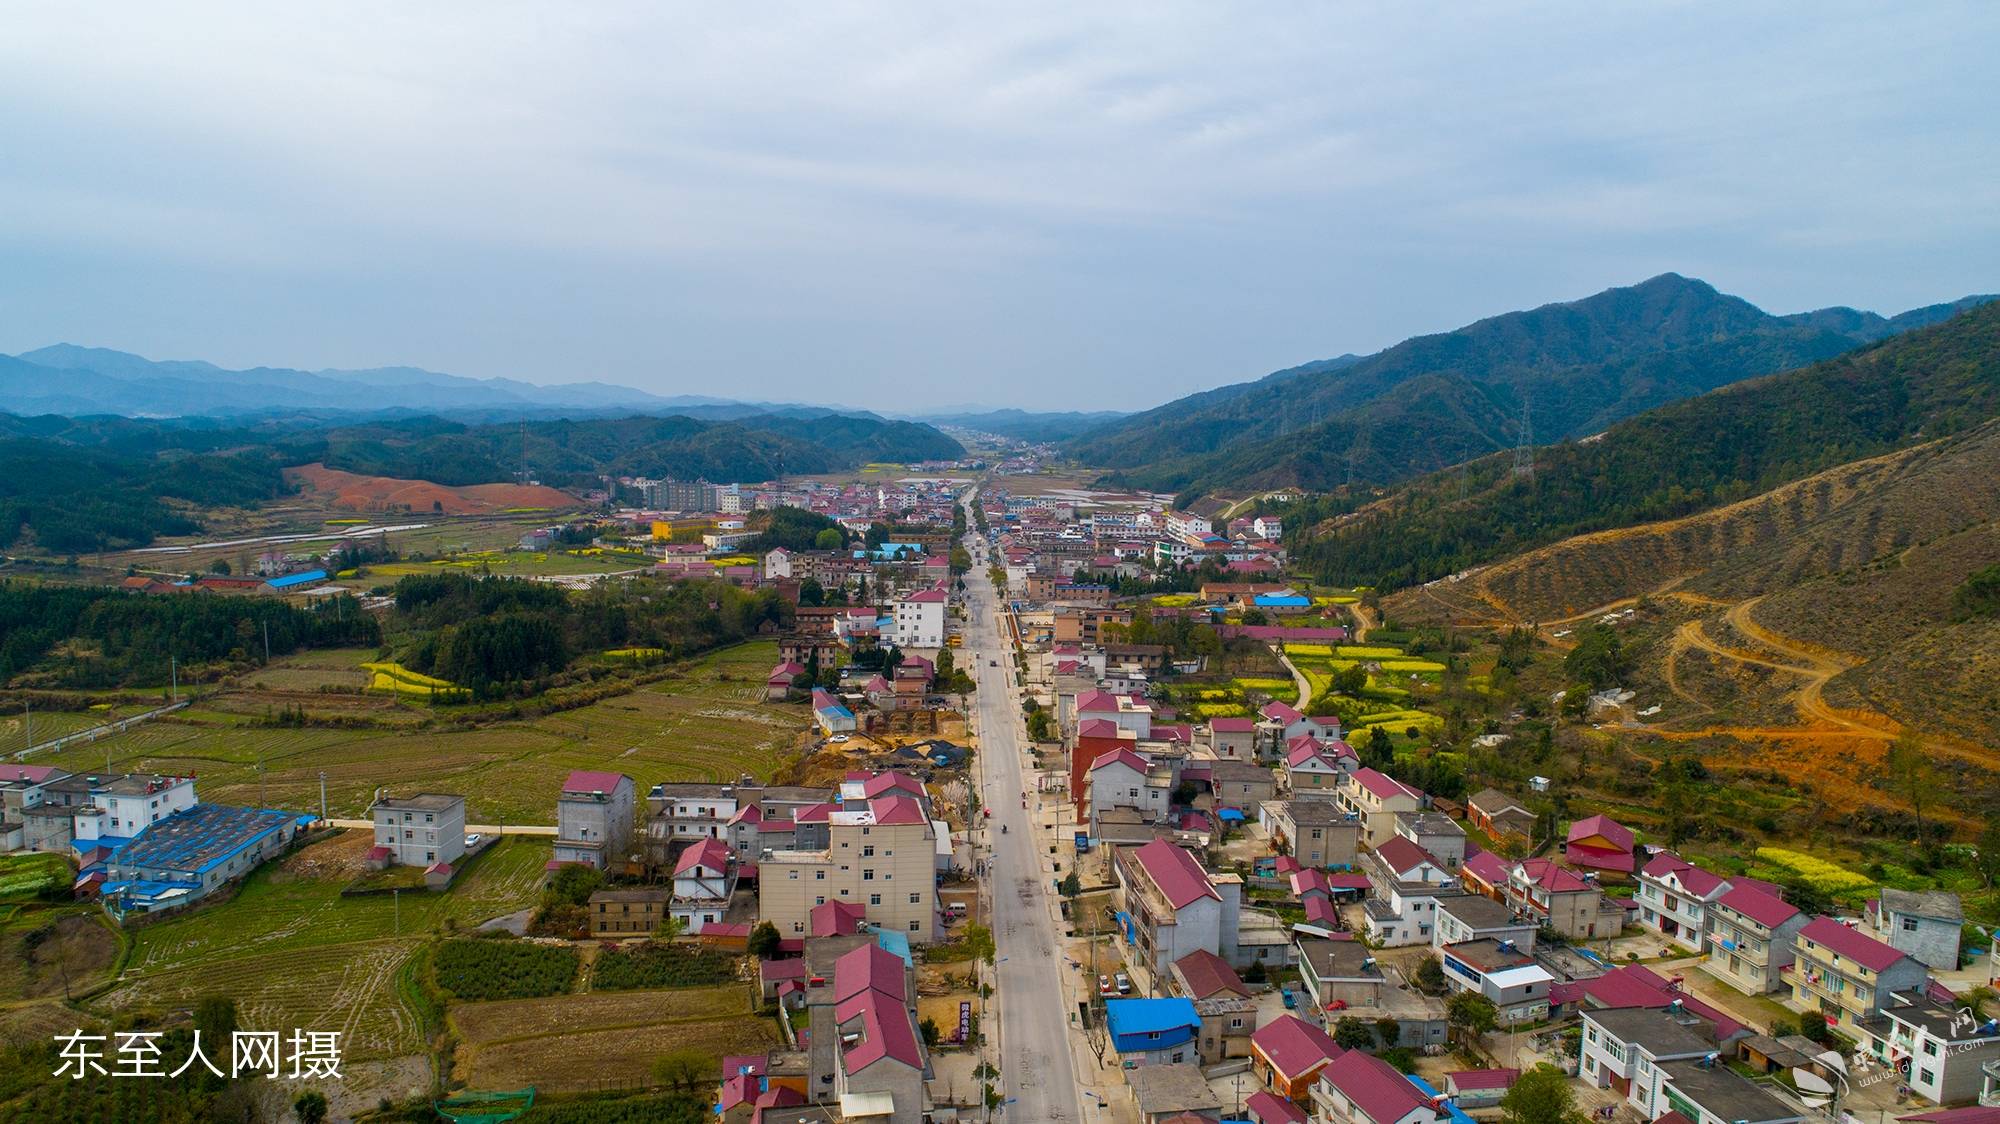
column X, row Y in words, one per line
column 574, row 1043
column 706, row 724
column 15, row 732
column 295, row 953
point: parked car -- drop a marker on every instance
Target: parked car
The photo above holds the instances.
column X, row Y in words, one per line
column 1104, row 986
column 1124, row 983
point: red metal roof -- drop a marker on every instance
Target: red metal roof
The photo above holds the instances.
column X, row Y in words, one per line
column 1232, row 725
column 1175, row 872
column 1850, row 943
column 1382, row 784
column 1403, row 855
column 1482, row 1078
column 1208, row 974
column 1614, row 833
column 1374, row 1086
column 1759, row 906
column 1270, row 1108
column 587, row 781
column 1294, row 1047
column 891, row 810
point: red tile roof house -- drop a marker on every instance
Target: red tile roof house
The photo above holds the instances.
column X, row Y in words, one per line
column 1753, row 937
column 1269, row 1108
column 878, row 1047
column 1600, row 843
column 1095, row 737
column 1174, row 906
column 1309, row 767
column 1233, row 738
column 1674, row 896
column 1635, row 985
column 1486, row 874
column 1288, row 1055
column 1360, row 1088
column 1563, row 900
column 783, row 680
column 1228, row 1013
column 1479, row 1088
column 1376, row 797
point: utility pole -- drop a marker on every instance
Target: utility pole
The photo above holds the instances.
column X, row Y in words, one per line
column 322, row 796
column 28, row 720
column 174, row 662
column 267, row 642
column 396, row 900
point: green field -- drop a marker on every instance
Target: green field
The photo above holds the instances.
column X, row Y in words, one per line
column 706, row 724
column 294, row 953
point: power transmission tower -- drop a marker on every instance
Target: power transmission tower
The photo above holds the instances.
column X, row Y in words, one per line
column 1524, row 453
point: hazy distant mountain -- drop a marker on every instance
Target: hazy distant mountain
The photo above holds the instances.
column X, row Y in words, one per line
column 1025, row 425
column 1567, row 369
column 67, row 379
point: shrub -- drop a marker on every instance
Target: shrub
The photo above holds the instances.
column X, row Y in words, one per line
column 661, row 964
column 474, row 969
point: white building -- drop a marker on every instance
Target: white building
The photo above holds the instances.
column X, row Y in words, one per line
column 701, row 885
column 420, row 830
column 920, row 619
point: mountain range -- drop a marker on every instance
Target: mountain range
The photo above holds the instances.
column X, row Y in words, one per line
column 1557, row 372
column 71, row 380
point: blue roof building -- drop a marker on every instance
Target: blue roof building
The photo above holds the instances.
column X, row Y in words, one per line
column 296, row 581
column 1283, row 601
column 181, row 859
column 1152, row 1031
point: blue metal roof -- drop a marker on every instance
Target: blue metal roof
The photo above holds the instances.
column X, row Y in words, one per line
column 202, row 836
column 1283, row 601
column 302, row 578
column 1149, row 1016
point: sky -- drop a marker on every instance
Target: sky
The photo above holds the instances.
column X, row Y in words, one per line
column 924, row 206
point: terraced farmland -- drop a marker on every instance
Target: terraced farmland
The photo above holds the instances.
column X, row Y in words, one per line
column 578, row 1042
column 708, row 723
column 294, row 953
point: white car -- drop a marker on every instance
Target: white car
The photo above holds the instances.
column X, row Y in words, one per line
column 837, row 738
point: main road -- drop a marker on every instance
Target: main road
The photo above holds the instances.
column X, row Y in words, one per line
column 1037, row 1070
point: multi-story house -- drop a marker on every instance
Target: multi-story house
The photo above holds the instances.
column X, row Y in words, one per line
column 1847, row 976
column 420, row 830
column 594, row 819
column 1359, row 1088
column 1502, row 971
column 1555, row 896
column 89, row 811
column 702, row 885
column 1674, row 896
column 879, row 853
column 1123, row 779
column 1310, row 768
column 1174, row 906
column 920, row 619
column 1240, row 784
column 1233, row 739
column 1376, row 797
column 1941, row 1051
column 1469, row 917
column 1926, row 924
column 879, row 1059
column 1288, row 1054
column 1752, row 938
column 1436, row 833
column 1315, row 832
column 1600, row 843
column 622, row 914
column 1623, row 1049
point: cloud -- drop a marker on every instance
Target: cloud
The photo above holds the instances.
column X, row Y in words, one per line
column 1081, row 204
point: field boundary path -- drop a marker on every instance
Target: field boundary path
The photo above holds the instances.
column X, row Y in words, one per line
column 1298, row 677
column 106, row 730
column 471, row 828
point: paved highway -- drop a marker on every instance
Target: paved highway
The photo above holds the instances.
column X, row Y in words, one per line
column 1037, row 1070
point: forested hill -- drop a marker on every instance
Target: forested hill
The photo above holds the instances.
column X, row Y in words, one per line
column 1671, row 461
column 576, row 452
column 1436, row 400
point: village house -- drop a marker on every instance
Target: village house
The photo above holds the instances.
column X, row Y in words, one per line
column 1940, row 1050
column 879, row 853
column 1658, row 1059
column 919, row 619
column 422, row 830
column 1233, row 739
column 1925, row 924
column 1288, row 1054
column 1228, row 1013
column 1240, row 784
column 1375, row 798
column 1172, row 907
column 1848, row 976
column 1600, row 844
column 1149, row 1032
column 1500, row 816
column 702, row 885
column 1674, row 896
column 1339, row 975
column 1360, row 1088
column 1469, row 917
column 1504, row 972
column 594, row 819
column 1311, row 767
column 1121, row 779
column 880, row 1068
column 101, row 810
column 1753, row 937
column 1436, row 834
column 1315, row 832
column 621, row 914
column 1175, row 1093
column 1553, row 895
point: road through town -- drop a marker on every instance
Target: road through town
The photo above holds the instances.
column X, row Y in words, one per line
column 1037, row 1070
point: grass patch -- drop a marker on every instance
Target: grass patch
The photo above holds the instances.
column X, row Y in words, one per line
column 27, row 876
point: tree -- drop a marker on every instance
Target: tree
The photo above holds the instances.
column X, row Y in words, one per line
column 1987, row 860
column 1351, row 1033
column 764, row 940
column 310, row 1107
column 1909, row 771
column 681, row 1069
column 1472, row 1013
column 1599, row 658
column 1255, row 617
column 811, row 593
column 829, row 539
column 1350, row 680
column 1542, row 1095
column 1071, row 885
column 978, row 940
column 1429, row 975
column 932, row 1035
